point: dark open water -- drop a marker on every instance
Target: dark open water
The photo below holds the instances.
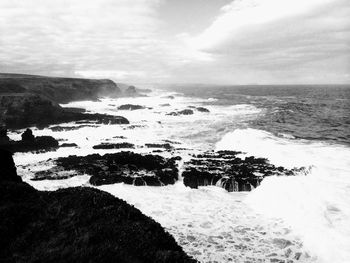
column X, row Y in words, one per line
column 311, row 112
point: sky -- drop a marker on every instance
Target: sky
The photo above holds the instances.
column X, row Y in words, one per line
column 179, row 41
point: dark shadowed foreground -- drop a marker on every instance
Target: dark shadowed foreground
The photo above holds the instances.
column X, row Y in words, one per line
column 75, row 224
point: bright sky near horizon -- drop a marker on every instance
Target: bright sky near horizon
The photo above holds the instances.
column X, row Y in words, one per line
column 179, row 41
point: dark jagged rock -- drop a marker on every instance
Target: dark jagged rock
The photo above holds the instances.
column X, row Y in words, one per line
column 68, row 145
column 28, row 136
column 3, row 136
column 122, row 145
column 126, row 167
column 31, row 143
column 130, row 107
column 76, row 225
column 60, row 90
column 226, row 169
column 21, row 111
column 185, row 112
column 159, row 145
column 104, row 119
column 182, row 112
column 8, row 172
column 202, row 109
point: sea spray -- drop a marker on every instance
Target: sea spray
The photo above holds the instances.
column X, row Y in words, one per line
column 316, row 206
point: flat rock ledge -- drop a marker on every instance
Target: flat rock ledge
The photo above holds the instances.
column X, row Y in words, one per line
column 106, row 146
column 225, row 169
column 76, row 225
column 122, row 167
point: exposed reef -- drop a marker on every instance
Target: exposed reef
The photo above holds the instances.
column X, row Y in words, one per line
column 121, row 145
column 130, row 107
column 122, row 167
column 227, row 170
column 202, row 109
column 182, row 112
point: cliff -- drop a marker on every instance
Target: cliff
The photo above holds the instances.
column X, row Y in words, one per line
column 60, row 90
column 76, row 225
column 21, row 110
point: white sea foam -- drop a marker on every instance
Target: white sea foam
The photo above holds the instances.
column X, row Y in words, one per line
column 213, row 225
column 209, row 223
column 316, row 206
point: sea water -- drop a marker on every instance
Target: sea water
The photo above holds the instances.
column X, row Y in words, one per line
column 304, row 218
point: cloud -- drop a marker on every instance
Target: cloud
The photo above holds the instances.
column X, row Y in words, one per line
column 280, row 39
column 250, row 41
column 77, row 35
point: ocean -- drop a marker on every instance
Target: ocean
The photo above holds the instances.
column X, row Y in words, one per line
column 303, row 218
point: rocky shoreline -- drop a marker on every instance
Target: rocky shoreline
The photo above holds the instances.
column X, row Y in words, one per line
column 28, row 143
column 224, row 169
column 98, row 221
column 27, row 100
column 228, row 170
column 60, row 90
column 76, row 224
column 26, row 110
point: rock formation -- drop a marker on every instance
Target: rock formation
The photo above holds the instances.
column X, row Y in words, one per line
column 30, row 143
column 182, row 112
column 121, row 145
column 127, row 167
column 25, row 110
column 76, row 225
column 202, row 109
column 227, row 170
column 60, row 90
column 130, row 107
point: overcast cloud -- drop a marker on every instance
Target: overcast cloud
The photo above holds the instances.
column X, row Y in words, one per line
column 238, row 42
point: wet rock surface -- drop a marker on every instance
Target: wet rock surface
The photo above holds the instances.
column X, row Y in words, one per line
column 122, row 167
column 66, row 145
column 130, row 107
column 202, row 109
column 76, row 225
column 30, row 143
column 182, row 112
column 226, row 169
column 8, row 171
column 121, row 145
